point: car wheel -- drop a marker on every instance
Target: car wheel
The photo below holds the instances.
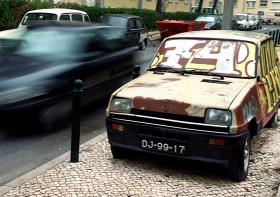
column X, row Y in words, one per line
column 55, row 116
column 118, row 153
column 143, row 45
column 273, row 122
column 239, row 169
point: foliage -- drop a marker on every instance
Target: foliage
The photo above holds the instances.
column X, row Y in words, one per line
column 11, row 12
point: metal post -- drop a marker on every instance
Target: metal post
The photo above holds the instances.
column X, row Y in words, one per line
column 76, row 112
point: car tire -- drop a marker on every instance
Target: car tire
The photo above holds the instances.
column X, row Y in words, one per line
column 273, row 122
column 143, row 45
column 239, row 169
column 118, row 153
column 54, row 117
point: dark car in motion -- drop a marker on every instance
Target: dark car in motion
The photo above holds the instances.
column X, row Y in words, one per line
column 213, row 21
column 38, row 70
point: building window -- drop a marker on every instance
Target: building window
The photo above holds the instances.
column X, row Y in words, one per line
column 275, row 5
column 251, row 4
column 196, row 2
column 263, row 3
column 210, row 4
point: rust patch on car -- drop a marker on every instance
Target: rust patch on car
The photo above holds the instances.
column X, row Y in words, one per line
column 152, row 85
column 162, row 106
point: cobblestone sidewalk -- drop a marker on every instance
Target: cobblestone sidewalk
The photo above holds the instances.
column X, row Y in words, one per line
column 98, row 174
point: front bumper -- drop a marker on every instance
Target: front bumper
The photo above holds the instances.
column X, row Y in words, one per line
column 197, row 143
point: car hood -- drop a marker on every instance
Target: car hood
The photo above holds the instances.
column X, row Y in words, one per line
column 181, row 95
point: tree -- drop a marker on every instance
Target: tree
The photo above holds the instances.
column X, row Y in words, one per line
column 159, row 6
column 199, row 6
column 214, row 6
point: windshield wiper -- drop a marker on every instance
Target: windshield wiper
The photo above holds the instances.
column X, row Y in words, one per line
column 201, row 71
column 161, row 70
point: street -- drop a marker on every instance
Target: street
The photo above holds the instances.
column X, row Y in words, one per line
column 22, row 152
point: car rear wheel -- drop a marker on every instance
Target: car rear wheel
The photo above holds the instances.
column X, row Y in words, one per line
column 239, row 169
column 118, row 153
column 143, row 45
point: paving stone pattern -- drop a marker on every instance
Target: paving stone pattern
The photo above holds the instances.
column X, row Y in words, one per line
column 98, row 174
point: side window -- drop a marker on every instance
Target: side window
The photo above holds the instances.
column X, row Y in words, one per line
column 263, row 61
column 131, row 24
column 86, row 19
column 77, row 17
column 64, row 17
column 139, row 24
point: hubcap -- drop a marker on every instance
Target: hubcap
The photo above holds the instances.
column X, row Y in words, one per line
column 246, row 156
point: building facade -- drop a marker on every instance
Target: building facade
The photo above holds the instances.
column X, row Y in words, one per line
column 240, row 6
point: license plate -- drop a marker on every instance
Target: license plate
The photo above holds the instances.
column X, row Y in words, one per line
column 163, row 146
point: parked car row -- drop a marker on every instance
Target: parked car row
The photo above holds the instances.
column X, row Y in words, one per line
column 247, row 22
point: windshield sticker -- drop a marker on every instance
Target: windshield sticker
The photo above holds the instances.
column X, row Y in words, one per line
column 226, row 57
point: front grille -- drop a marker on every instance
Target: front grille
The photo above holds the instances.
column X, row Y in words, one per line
column 170, row 123
column 168, row 116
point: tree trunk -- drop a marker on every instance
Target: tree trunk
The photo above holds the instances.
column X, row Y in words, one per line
column 158, row 6
column 214, row 6
column 199, row 6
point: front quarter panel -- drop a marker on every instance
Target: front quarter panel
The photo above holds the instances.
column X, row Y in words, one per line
column 245, row 107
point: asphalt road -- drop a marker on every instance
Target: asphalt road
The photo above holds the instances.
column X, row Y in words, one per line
column 21, row 152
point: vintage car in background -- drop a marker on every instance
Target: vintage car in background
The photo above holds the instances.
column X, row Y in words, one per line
column 54, row 14
column 204, row 96
column 134, row 25
column 40, row 64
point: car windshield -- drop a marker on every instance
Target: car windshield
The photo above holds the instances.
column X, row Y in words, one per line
column 224, row 57
column 115, row 21
column 38, row 17
column 205, row 18
column 240, row 17
column 49, row 44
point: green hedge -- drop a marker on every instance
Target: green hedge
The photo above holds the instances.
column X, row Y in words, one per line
column 11, row 12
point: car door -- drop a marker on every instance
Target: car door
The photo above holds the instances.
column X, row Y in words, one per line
column 268, row 85
column 133, row 32
column 142, row 29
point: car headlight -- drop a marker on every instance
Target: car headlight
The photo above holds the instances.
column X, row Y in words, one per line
column 120, row 105
column 19, row 93
column 218, row 117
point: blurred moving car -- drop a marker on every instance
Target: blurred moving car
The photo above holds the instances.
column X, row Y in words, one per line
column 37, row 73
column 213, row 21
column 134, row 26
column 203, row 98
column 54, row 14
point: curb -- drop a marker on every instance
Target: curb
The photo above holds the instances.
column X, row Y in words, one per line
column 49, row 165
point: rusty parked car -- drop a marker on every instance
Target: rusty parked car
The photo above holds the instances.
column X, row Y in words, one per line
column 203, row 98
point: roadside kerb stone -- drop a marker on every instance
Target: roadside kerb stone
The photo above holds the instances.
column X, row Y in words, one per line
column 98, row 174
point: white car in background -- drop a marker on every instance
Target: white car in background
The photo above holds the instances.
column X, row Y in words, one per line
column 246, row 21
column 54, row 14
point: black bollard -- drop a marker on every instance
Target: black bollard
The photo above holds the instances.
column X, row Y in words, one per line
column 76, row 113
column 136, row 71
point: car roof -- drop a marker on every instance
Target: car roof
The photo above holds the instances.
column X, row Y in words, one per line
column 123, row 15
column 253, row 37
column 57, row 11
